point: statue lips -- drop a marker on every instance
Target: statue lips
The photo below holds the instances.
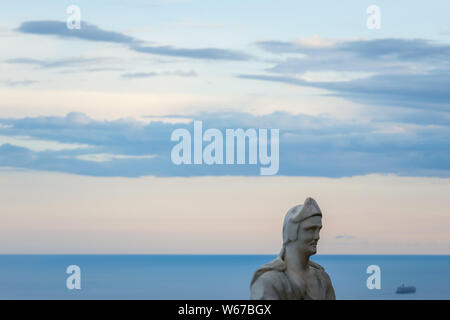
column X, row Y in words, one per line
column 313, row 244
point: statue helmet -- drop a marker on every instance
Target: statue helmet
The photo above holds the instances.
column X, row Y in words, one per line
column 296, row 215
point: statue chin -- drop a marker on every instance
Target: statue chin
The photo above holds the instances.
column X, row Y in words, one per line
column 310, row 250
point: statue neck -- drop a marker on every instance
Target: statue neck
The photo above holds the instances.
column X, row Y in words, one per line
column 296, row 262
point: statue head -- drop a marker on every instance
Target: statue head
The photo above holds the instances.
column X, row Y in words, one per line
column 287, row 277
column 301, row 228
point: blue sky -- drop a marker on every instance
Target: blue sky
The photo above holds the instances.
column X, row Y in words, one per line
column 93, row 110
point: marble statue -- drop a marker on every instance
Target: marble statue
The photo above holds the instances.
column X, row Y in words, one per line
column 292, row 276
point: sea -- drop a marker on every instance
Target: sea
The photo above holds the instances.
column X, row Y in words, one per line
column 209, row 277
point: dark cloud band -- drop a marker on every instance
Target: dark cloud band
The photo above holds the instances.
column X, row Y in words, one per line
column 91, row 32
column 309, row 146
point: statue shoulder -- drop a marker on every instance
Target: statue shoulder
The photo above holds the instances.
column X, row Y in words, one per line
column 321, row 271
column 270, row 285
column 316, row 266
column 330, row 294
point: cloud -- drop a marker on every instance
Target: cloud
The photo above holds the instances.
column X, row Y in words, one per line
column 10, row 83
column 309, row 146
column 410, row 56
column 104, row 157
column 74, row 62
column 91, row 69
column 139, row 75
column 400, row 49
column 178, row 73
column 419, row 91
column 359, row 55
column 407, row 73
column 181, row 73
column 91, row 32
column 347, row 237
column 15, row 156
column 86, row 32
column 203, row 53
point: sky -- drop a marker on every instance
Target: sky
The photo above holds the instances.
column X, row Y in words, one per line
column 86, row 118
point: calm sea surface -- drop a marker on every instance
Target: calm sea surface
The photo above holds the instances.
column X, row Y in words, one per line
column 208, row 276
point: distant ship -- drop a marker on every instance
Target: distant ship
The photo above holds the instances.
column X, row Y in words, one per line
column 406, row 289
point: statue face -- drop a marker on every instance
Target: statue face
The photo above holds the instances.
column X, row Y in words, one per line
column 308, row 236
